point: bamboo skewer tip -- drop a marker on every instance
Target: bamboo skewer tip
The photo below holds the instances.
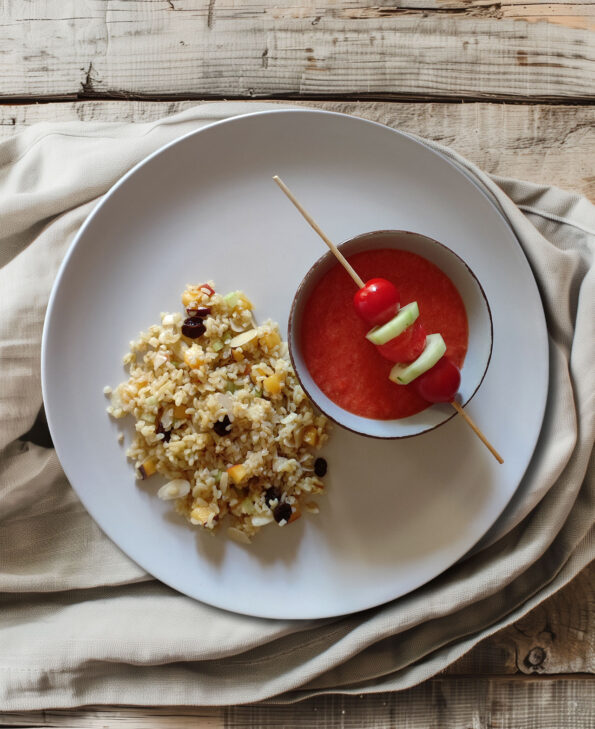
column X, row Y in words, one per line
column 470, row 422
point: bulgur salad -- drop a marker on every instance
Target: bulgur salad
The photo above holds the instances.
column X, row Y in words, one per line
column 220, row 414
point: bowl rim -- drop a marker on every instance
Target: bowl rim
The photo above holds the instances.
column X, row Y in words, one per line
column 300, row 289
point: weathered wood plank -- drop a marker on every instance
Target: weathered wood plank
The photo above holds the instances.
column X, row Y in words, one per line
column 550, row 703
column 544, row 144
column 99, row 717
column 219, row 49
column 556, row 637
column 441, row 703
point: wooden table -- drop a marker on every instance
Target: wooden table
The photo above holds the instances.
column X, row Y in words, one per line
column 510, row 84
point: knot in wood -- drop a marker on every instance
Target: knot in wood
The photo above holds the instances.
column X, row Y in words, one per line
column 535, row 657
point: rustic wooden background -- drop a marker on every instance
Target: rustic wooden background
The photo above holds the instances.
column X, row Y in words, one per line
column 510, row 84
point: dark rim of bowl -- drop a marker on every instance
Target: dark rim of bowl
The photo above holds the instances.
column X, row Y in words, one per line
column 316, row 265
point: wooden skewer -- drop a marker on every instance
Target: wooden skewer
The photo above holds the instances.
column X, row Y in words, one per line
column 340, row 257
column 359, row 283
column 467, row 418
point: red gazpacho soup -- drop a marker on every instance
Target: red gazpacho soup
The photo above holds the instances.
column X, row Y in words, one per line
column 344, row 364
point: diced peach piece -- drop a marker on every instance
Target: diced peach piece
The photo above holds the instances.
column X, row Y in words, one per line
column 193, row 356
column 202, row 515
column 147, row 469
column 271, row 339
column 237, row 473
column 310, row 435
column 272, row 384
column 188, row 297
column 244, row 302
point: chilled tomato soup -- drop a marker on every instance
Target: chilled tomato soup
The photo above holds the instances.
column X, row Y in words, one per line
column 344, row 364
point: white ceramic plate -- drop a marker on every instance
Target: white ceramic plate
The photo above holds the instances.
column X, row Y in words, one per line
column 396, row 514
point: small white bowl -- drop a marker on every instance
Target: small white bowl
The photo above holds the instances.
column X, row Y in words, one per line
column 479, row 319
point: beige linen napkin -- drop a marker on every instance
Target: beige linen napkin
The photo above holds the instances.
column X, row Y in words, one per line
column 82, row 624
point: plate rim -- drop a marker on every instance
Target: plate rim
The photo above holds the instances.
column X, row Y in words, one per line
column 235, row 119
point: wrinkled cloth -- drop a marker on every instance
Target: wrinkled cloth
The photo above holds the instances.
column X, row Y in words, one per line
column 80, row 623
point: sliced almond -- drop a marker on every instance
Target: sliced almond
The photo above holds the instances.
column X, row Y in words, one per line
column 262, row 520
column 241, row 339
column 238, row 536
column 175, row 489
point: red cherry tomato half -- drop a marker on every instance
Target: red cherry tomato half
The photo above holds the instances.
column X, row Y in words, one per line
column 407, row 346
column 440, row 383
column 377, row 301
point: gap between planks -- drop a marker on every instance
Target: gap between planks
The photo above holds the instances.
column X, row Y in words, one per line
column 161, row 98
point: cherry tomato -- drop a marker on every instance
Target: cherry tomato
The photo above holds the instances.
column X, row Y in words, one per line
column 377, row 301
column 440, row 383
column 407, row 346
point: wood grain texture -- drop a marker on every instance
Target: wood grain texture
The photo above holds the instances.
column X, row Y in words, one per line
column 557, row 637
column 440, row 703
column 453, row 703
column 220, row 48
column 543, row 144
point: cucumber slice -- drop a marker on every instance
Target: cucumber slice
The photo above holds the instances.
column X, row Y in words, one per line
column 231, row 299
column 435, row 348
column 397, row 325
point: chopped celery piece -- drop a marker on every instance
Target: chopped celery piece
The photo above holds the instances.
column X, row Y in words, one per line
column 217, row 345
column 231, row 299
column 231, row 387
column 247, row 506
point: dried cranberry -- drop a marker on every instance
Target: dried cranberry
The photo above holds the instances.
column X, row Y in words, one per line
column 193, row 327
column 272, row 494
column 221, row 426
column 282, row 511
column 166, row 433
column 320, row 467
column 201, row 312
